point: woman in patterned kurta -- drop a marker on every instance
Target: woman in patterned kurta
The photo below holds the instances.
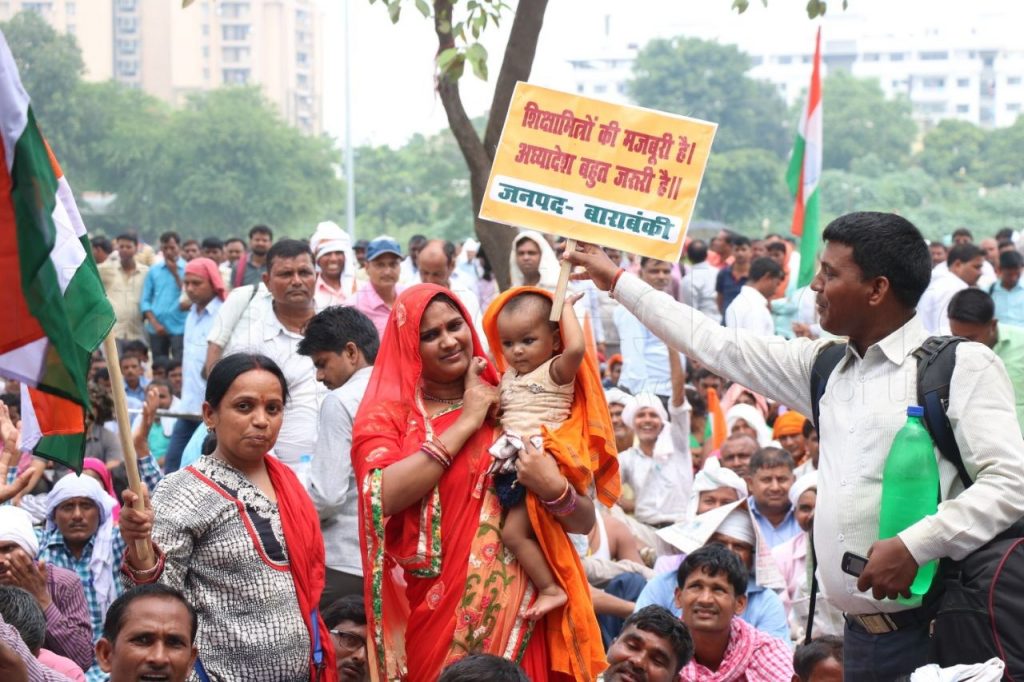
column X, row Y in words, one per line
column 238, row 535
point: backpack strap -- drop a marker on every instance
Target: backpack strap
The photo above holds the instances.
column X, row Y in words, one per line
column 936, row 359
column 827, row 360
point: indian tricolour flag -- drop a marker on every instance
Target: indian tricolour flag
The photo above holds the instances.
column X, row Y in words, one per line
column 805, row 172
column 53, row 311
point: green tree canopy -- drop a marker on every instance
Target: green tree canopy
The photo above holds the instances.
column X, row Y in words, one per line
column 952, row 147
column 51, row 66
column 708, row 80
column 859, row 120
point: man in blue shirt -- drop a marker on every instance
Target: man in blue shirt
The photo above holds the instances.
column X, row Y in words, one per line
column 160, row 306
column 770, row 478
column 1008, row 293
column 764, row 608
column 731, row 278
column 205, row 289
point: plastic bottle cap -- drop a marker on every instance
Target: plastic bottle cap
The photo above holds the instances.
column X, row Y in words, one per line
column 915, row 411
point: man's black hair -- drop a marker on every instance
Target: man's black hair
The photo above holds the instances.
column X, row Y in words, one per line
column 115, row 614
column 1010, row 260
column 886, row 245
column 944, row 247
column 212, row 243
column 128, row 237
column 173, row 364
column 135, row 346
column 963, row 232
column 350, row 608
column 776, row 246
column 190, row 241
column 21, row 611
column 476, row 667
column 287, row 248
column 963, row 253
column 231, row 240
column 739, row 240
column 698, row 408
column 417, row 240
column 714, row 559
column 261, row 229
column 764, row 267
column 659, row 621
column 973, row 306
column 102, row 243
column 808, row 428
column 644, row 260
column 1004, row 234
column 770, row 458
column 332, row 328
column 808, row 656
column 449, row 250
column 169, row 235
column 697, row 251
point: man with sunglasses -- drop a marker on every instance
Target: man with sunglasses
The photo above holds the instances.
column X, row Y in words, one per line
column 346, row 620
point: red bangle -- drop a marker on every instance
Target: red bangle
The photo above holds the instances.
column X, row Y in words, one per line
column 615, row 279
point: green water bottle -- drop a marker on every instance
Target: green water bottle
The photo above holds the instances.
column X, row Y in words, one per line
column 910, row 488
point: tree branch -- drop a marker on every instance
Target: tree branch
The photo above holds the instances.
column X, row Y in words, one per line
column 515, row 66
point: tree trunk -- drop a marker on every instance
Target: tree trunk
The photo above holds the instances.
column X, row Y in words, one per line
column 495, row 238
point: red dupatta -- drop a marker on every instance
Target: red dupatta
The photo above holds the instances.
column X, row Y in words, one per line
column 438, row 582
column 301, row 526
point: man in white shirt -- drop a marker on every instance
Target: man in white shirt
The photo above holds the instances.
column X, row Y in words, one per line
column 697, row 289
column 343, row 343
column 410, row 268
column 270, row 320
column 963, row 270
column 751, row 310
column 874, row 269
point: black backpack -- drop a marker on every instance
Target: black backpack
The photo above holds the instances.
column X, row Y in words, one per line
column 980, row 599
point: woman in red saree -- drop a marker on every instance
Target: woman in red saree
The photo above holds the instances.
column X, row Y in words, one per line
column 439, row 583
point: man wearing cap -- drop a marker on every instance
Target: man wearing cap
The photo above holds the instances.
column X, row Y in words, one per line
column 659, row 468
column 617, row 402
column 58, row 591
column 383, row 266
column 335, row 261
column 735, row 532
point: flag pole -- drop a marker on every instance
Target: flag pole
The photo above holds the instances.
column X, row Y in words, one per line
column 124, row 430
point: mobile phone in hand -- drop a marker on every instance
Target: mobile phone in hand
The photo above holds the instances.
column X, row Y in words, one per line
column 854, row 564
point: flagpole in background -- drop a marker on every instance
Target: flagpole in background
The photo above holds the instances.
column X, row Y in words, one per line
column 124, row 430
column 804, row 173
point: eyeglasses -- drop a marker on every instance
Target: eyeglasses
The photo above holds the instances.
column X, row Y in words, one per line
column 349, row 641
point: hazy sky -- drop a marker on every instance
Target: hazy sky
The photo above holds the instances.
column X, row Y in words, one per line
column 392, row 75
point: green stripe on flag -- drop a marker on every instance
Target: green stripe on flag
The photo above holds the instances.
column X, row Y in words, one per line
column 69, row 450
column 74, row 321
column 810, row 240
column 796, row 164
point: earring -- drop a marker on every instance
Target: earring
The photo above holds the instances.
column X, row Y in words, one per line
column 212, row 430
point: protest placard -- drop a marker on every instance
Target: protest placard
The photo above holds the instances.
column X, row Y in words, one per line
column 615, row 175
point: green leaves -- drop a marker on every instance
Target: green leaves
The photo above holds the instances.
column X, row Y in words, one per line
column 465, row 24
column 476, row 55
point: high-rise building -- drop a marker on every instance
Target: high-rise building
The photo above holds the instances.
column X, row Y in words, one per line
column 971, row 70
column 172, row 52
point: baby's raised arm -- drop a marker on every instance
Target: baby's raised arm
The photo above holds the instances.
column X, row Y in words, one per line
column 565, row 366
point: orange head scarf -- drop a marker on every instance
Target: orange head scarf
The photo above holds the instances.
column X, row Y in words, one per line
column 584, row 447
column 788, row 423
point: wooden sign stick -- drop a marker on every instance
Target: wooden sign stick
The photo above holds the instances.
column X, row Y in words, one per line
column 124, row 430
column 563, row 284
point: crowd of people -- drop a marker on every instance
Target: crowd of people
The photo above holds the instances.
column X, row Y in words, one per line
column 363, row 459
